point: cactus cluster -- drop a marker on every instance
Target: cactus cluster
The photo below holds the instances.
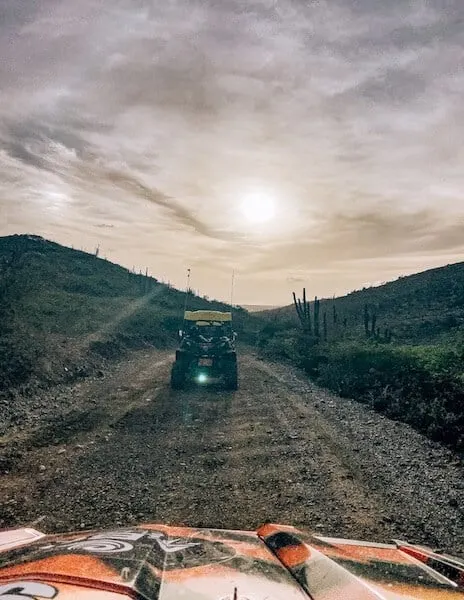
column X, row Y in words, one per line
column 310, row 325
column 371, row 329
column 310, row 320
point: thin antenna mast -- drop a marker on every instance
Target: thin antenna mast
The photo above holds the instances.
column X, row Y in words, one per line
column 232, row 289
column 187, row 290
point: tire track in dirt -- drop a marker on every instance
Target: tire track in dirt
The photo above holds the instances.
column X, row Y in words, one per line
column 95, row 404
column 417, row 484
column 212, row 458
column 41, row 453
column 308, row 484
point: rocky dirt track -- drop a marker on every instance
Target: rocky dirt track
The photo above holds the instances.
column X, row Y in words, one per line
column 124, row 448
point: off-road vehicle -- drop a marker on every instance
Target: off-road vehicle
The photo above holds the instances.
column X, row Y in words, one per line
column 207, row 350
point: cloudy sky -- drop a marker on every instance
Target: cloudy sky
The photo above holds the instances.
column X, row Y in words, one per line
column 156, row 129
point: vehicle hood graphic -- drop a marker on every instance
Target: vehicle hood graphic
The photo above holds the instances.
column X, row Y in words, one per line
column 161, row 562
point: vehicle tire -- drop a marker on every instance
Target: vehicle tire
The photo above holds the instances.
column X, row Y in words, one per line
column 231, row 376
column 177, row 376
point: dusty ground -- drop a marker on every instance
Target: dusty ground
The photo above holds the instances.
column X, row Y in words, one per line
column 123, row 448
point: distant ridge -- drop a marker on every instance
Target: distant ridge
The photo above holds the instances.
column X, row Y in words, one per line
column 253, row 308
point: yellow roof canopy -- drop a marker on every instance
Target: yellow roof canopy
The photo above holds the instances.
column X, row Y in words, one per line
column 208, row 315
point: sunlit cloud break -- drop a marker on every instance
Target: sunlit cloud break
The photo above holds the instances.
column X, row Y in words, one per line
column 291, row 141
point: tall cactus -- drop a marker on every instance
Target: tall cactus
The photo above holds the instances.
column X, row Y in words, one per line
column 298, row 308
column 324, row 321
column 305, row 305
column 317, row 309
column 303, row 311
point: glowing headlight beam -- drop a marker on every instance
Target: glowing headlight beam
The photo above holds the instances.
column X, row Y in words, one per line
column 202, row 378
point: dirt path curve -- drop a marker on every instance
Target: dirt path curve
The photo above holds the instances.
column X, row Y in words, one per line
column 278, row 449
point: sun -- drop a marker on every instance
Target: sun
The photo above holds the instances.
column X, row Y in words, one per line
column 258, row 208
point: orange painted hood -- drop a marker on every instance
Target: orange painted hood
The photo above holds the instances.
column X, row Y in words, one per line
column 169, row 563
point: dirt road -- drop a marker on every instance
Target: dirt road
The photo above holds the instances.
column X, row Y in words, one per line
column 124, row 448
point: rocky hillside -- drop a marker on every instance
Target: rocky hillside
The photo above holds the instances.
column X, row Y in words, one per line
column 62, row 310
column 421, row 308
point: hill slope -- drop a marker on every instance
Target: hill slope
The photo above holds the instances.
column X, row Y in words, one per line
column 61, row 308
column 421, row 308
column 398, row 347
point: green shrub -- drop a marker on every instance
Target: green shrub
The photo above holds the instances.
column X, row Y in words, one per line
column 417, row 385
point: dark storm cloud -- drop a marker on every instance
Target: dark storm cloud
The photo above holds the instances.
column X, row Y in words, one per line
column 391, row 87
column 20, row 151
column 29, row 142
column 182, row 216
column 160, row 118
column 18, row 13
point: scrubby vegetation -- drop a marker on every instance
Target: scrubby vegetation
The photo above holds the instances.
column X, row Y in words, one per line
column 399, row 348
column 61, row 308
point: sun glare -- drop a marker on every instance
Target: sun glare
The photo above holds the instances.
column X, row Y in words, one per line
column 258, row 208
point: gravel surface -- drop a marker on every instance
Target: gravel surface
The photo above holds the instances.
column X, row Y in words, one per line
column 123, row 448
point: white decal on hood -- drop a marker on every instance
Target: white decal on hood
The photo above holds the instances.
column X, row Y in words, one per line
column 101, row 546
column 18, row 590
column 119, row 541
column 171, row 545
